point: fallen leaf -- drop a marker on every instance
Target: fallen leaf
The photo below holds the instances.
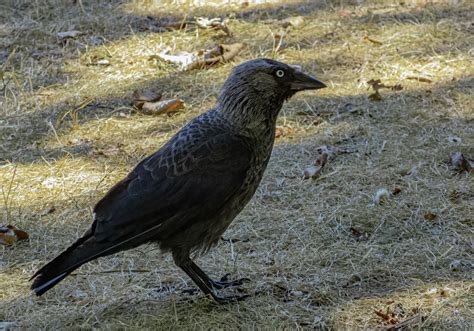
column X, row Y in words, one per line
column 213, row 24
column 162, row 107
column 204, row 58
column 224, row 54
column 429, row 216
column 381, row 196
column 461, row 163
column 420, row 79
column 69, row 34
column 9, row 234
column 396, row 191
column 140, row 97
column 282, row 131
column 312, row 172
column 315, row 170
column 183, row 59
column 377, row 85
column 388, row 317
column 373, row 41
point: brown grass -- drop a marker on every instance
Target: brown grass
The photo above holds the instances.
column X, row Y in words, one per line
column 320, row 254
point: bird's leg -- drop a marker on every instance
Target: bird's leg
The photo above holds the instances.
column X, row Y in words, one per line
column 206, row 286
column 223, row 283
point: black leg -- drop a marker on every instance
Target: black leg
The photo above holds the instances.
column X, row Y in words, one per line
column 223, row 283
column 205, row 284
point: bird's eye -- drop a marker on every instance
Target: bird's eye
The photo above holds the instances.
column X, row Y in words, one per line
column 280, row 73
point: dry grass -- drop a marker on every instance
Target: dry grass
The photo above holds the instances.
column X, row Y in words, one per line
column 68, row 133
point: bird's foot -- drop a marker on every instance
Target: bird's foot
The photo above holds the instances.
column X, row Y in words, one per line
column 225, row 282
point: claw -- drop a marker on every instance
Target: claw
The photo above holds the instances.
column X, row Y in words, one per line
column 224, row 283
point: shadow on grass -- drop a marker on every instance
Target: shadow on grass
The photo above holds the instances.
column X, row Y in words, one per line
column 35, row 128
column 23, row 131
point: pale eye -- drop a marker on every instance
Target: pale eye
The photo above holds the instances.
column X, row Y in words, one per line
column 280, row 73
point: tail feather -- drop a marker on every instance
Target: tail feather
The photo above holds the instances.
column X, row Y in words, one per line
column 41, row 284
column 85, row 249
column 82, row 251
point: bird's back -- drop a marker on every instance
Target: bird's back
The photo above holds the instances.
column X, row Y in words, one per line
column 189, row 191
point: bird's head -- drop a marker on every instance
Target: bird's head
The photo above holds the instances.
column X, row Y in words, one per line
column 256, row 89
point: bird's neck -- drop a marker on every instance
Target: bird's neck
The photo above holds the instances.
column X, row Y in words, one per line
column 252, row 113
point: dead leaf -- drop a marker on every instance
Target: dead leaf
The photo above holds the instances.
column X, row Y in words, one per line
column 183, row 59
column 9, row 234
column 315, row 170
column 388, row 317
column 163, row 107
column 420, row 79
column 69, row 34
column 381, row 196
column 312, row 172
column 373, row 41
column 461, row 163
column 283, row 131
column 396, row 191
column 203, row 58
column 213, row 24
column 140, row 97
column 429, row 216
column 378, row 85
column 215, row 52
column 220, row 54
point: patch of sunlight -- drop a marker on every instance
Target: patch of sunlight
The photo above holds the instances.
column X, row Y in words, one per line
column 14, row 284
column 428, row 305
column 143, row 7
column 41, row 183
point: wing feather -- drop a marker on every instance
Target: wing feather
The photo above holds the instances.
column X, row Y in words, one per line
column 190, row 178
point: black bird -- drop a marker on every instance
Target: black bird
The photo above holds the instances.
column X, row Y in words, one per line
column 185, row 195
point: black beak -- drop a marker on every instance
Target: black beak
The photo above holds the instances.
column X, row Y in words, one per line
column 303, row 82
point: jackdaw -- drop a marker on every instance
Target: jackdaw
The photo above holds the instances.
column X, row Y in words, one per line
column 185, row 195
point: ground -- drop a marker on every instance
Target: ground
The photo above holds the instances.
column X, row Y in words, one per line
column 319, row 252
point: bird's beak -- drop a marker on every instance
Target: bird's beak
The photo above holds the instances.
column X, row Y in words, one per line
column 303, row 82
